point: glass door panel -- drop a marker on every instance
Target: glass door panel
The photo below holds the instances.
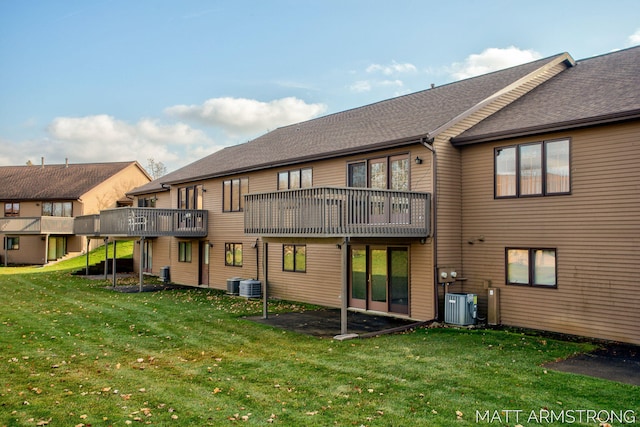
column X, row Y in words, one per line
column 358, row 277
column 378, row 280
column 399, row 280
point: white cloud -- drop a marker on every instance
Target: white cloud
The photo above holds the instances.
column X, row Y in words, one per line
column 106, row 129
column 103, row 138
column 360, row 86
column 393, row 68
column 368, row 85
column 634, row 39
column 492, row 59
column 248, row 116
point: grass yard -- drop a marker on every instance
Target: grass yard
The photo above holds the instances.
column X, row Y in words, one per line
column 75, row 353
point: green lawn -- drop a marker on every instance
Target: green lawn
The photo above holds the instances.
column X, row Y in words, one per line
column 74, row 353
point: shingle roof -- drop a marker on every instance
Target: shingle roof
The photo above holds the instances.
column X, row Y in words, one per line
column 373, row 126
column 598, row 89
column 54, row 182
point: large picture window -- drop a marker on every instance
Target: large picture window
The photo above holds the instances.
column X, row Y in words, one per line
column 233, row 254
column 536, row 169
column 57, row 209
column 294, row 258
column 297, row 178
column 190, row 197
column 531, row 267
column 233, row 191
column 381, row 173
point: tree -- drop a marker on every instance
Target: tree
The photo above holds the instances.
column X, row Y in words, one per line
column 156, row 169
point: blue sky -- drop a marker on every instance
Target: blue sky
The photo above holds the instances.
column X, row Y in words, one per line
column 96, row 81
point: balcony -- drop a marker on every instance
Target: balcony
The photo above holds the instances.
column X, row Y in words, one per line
column 337, row 212
column 87, row 225
column 36, row 225
column 144, row 222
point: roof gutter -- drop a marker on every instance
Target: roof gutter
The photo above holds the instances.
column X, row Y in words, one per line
column 535, row 130
column 296, row 160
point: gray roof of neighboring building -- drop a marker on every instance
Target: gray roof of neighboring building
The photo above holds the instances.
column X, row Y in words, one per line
column 55, row 182
column 382, row 124
column 597, row 90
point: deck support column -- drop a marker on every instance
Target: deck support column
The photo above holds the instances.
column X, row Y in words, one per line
column 106, row 258
column 345, row 285
column 265, row 289
column 141, row 277
column 114, row 263
column 86, row 267
column 46, row 249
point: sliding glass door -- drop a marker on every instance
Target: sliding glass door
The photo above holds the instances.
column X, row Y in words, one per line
column 379, row 278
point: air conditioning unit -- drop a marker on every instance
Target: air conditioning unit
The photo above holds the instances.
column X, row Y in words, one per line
column 233, row 285
column 165, row 275
column 460, row 309
column 251, row 288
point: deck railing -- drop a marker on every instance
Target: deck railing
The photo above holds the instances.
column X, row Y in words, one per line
column 87, row 225
column 37, row 225
column 335, row 212
column 153, row 222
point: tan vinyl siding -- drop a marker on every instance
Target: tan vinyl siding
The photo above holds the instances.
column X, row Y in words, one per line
column 106, row 194
column 595, row 232
column 319, row 284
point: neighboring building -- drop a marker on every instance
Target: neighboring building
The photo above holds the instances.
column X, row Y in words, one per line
column 522, row 181
column 40, row 203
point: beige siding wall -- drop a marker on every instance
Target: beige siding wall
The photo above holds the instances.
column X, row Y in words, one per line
column 106, row 194
column 32, row 251
column 319, row 285
column 595, row 232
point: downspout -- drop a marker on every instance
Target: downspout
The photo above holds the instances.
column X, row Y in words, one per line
column 428, row 144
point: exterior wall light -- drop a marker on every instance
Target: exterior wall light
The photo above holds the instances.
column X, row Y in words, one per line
column 418, row 160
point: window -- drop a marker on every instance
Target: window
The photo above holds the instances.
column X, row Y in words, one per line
column 233, row 191
column 531, row 267
column 297, row 178
column 57, row 209
column 184, row 251
column 294, row 258
column 12, row 209
column 536, row 169
column 233, row 254
column 381, row 173
column 147, row 202
column 12, row 243
column 190, row 197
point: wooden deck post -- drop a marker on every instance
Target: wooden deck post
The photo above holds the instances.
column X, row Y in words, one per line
column 265, row 289
column 345, row 285
column 141, row 262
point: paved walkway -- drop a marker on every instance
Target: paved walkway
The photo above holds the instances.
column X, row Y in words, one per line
column 326, row 323
column 614, row 362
